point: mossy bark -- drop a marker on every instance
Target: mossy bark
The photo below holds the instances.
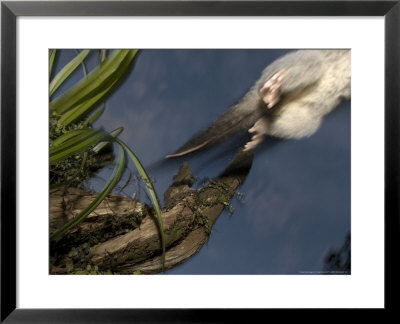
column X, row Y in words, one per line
column 132, row 243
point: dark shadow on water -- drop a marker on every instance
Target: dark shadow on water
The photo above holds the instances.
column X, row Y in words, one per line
column 230, row 148
column 213, row 155
column 338, row 261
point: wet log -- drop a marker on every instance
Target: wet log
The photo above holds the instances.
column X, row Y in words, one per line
column 133, row 244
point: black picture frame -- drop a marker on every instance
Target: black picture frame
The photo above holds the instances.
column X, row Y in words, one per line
column 10, row 10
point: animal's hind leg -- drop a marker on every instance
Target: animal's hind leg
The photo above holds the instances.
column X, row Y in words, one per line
column 270, row 92
column 259, row 130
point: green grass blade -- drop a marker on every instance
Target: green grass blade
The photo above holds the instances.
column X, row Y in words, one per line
column 81, row 110
column 67, row 70
column 103, row 55
column 76, row 144
column 101, row 145
column 119, row 167
column 83, row 66
column 52, row 56
column 152, row 194
column 67, row 136
column 96, row 114
column 113, row 69
column 86, row 107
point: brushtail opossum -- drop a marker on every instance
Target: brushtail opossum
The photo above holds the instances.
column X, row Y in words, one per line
column 289, row 100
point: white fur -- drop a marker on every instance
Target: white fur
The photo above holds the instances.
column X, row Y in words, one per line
column 300, row 114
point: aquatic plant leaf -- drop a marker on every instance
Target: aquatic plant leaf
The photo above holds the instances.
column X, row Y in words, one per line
column 66, row 71
column 152, row 194
column 52, row 56
column 115, row 176
column 107, row 76
column 82, row 141
column 113, row 134
column 95, row 115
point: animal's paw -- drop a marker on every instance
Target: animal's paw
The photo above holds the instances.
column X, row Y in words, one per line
column 270, row 92
column 258, row 130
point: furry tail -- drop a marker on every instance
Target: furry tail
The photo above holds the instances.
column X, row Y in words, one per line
column 241, row 116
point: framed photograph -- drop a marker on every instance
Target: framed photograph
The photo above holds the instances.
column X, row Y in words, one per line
column 204, row 155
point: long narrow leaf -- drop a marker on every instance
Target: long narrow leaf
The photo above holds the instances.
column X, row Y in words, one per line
column 103, row 55
column 96, row 114
column 80, row 92
column 67, row 70
column 76, row 144
column 52, row 56
column 101, row 145
column 113, row 68
column 86, row 107
column 81, row 110
column 119, row 167
column 83, row 66
column 152, row 193
column 65, row 137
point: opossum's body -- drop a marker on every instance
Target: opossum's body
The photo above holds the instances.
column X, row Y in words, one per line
column 289, row 100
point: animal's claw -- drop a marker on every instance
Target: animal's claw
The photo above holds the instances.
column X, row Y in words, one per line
column 270, row 92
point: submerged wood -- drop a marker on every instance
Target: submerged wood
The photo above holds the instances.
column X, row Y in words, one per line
column 188, row 216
